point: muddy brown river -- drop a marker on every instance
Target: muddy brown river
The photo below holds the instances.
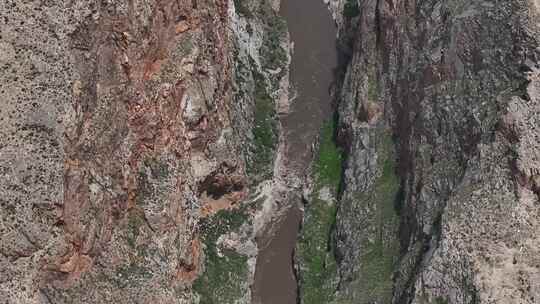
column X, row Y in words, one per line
column 314, row 59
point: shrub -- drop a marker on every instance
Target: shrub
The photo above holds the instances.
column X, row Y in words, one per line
column 351, row 9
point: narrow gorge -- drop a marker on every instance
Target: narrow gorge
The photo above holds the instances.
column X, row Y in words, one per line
column 312, row 64
column 270, row 152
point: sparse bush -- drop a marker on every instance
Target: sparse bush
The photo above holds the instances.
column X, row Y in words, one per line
column 222, row 280
column 351, row 9
column 264, row 130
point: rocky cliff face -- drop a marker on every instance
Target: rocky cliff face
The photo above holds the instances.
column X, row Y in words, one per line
column 439, row 113
column 141, row 152
column 130, row 134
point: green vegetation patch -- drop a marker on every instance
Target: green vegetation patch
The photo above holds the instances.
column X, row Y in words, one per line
column 273, row 56
column 329, row 160
column 351, row 9
column 316, row 259
column 318, row 268
column 264, row 131
column 224, row 276
column 315, row 252
column 272, row 53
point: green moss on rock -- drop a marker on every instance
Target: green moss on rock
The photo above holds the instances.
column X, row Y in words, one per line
column 264, row 131
column 272, row 53
column 317, row 265
column 351, row 9
column 329, row 160
column 224, row 277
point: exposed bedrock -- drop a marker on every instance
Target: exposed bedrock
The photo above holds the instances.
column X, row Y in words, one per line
column 142, row 158
column 135, row 135
column 439, row 114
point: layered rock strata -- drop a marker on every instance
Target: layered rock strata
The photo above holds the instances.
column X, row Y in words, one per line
column 132, row 132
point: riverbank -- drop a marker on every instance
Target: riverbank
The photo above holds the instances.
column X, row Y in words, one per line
column 314, row 58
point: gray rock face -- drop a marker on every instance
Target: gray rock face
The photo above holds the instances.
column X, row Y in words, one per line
column 453, row 84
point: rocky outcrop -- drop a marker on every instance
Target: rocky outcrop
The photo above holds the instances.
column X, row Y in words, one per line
column 141, row 152
column 129, row 131
column 439, row 114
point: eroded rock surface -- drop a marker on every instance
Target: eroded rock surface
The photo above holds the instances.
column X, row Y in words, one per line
column 129, row 129
column 141, row 154
column 440, row 116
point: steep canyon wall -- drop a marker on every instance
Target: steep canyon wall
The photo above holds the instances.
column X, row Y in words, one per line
column 439, row 115
column 135, row 135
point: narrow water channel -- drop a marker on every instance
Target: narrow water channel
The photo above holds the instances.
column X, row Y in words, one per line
column 314, row 59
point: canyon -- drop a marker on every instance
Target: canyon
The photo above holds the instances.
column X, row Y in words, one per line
column 267, row 152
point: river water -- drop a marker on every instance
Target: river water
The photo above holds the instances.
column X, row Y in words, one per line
column 314, row 59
